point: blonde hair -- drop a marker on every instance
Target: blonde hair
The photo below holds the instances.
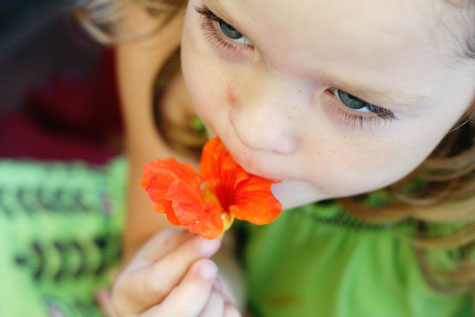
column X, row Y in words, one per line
column 447, row 193
column 101, row 17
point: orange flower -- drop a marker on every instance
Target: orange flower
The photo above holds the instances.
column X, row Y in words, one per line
column 207, row 203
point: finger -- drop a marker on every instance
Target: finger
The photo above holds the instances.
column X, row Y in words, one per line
column 230, row 310
column 162, row 243
column 160, row 278
column 149, row 286
column 191, row 295
column 215, row 305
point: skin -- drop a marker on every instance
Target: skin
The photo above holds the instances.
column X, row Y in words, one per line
column 272, row 107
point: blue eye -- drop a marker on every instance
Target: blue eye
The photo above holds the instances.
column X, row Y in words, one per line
column 232, row 33
column 353, row 102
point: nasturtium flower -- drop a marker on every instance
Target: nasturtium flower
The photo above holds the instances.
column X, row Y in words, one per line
column 207, row 203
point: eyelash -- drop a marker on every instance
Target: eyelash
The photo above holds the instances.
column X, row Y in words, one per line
column 372, row 118
column 212, row 33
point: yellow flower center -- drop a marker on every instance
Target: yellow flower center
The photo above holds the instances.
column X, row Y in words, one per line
column 228, row 218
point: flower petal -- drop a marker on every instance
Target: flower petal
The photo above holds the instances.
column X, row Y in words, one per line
column 220, row 172
column 159, row 175
column 192, row 211
column 254, row 202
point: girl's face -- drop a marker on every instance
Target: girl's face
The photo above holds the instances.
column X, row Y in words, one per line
column 334, row 98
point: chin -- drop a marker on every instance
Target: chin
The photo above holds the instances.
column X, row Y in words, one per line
column 293, row 193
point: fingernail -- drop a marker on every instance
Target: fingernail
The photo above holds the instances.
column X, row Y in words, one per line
column 209, row 247
column 207, row 270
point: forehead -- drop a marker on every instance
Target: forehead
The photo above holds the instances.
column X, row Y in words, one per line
column 405, row 38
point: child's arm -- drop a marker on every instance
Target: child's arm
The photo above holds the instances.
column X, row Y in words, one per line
column 137, row 64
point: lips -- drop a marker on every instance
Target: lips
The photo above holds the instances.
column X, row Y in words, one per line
column 259, row 163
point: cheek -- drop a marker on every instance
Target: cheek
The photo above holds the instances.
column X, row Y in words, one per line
column 203, row 78
column 345, row 167
column 208, row 79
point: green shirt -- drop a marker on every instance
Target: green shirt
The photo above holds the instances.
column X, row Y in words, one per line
column 317, row 260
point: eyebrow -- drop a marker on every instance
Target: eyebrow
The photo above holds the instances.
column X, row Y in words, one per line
column 403, row 99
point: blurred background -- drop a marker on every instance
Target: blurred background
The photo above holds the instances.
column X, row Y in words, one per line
column 57, row 90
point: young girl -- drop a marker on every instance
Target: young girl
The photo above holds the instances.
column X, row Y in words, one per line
column 363, row 109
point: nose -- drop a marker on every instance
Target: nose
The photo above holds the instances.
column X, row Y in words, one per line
column 265, row 119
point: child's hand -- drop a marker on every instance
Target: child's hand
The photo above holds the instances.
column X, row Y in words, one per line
column 171, row 275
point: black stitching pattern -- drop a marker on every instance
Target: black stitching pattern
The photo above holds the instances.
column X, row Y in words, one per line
column 343, row 219
column 41, row 260
column 22, row 200
column 6, row 210
column 44, row 203
column 79, row 203
column 82, row 262
column 62, row 267
column 33, row 201
column 107, row 248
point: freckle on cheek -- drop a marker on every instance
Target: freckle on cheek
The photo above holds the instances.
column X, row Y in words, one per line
column 230, row 96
